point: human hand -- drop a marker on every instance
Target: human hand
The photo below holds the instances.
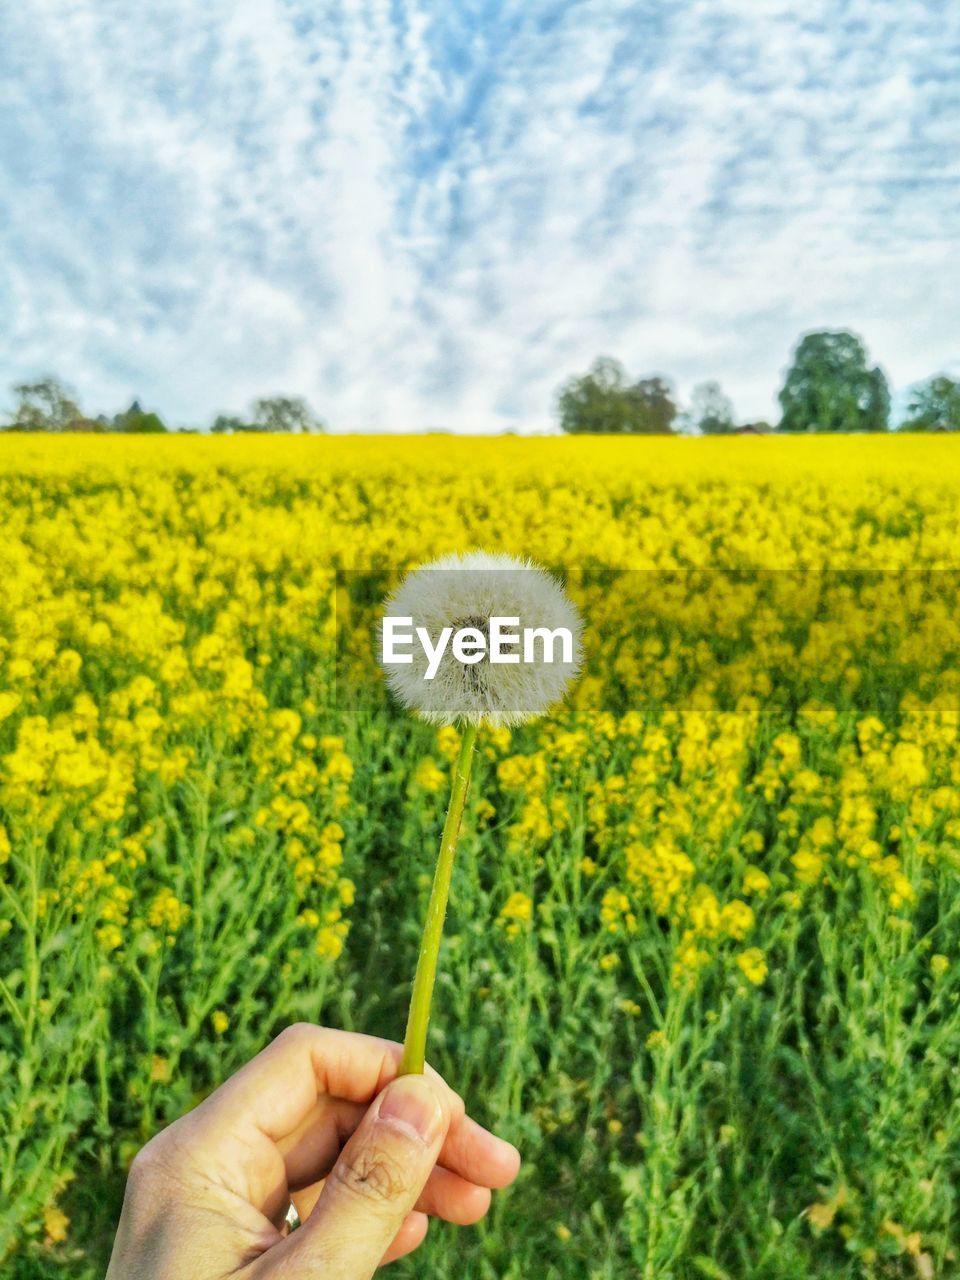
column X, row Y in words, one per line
column 207, row 1198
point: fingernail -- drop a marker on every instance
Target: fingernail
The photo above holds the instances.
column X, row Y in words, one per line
column 412, row 1102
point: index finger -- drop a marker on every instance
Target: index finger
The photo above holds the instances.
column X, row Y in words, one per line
column 304, row 1064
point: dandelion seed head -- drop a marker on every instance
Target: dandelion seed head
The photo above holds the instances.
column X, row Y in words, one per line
column 467, row 591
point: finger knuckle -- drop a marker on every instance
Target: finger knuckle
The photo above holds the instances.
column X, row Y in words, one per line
column 296, row 1033
column 372, row 1174
column 148, row 1165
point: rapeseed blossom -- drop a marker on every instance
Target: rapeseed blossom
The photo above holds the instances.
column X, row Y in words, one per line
column 746, row 758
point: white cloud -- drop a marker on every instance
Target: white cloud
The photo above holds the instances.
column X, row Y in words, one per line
column 421, row 214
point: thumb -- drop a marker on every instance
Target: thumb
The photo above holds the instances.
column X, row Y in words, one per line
column 375, row 1183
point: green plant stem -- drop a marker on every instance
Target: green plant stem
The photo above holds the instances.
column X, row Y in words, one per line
column 415, row 1041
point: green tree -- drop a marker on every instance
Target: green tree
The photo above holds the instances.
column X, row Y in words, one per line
column 710, row 410
column 878, row 402
column 228, row 424
column 830, row 388
column 602, row 401
column 284, row 413
column 935, row 403
column 138, row 422
column 85, row 424
column 595, row 403
column 653, row 407
column 145, row 424
column 45, row 405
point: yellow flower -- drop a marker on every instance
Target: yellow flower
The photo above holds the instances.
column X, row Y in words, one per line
column 821, row 1215
column 330, row 940
column 448, row 742
column 56, row 1224
column 939, row 965
column 347, row 891
column 615, row 913
column 428, row 776
column 516, row 913
column 756, row 881
column 159, row 1069
column 753, row 965
column 519, row 906
column 110, row 937
column 736, row 919
column 9, row 701
column 220, row 1021
column 809, row 866
column 167, row 912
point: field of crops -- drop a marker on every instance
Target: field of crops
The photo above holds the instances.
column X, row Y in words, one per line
column 703, row 950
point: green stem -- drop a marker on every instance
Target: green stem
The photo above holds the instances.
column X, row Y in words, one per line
column 415, row 1041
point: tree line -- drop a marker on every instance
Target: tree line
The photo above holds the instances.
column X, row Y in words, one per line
column 829, row 386
column 48, row 405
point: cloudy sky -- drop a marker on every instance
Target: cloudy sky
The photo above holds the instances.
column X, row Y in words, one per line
column 428, row 214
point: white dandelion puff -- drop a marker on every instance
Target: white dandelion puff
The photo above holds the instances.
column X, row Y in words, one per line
column 457, row 593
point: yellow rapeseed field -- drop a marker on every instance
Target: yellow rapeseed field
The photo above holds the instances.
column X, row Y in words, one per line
column 702, row 956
